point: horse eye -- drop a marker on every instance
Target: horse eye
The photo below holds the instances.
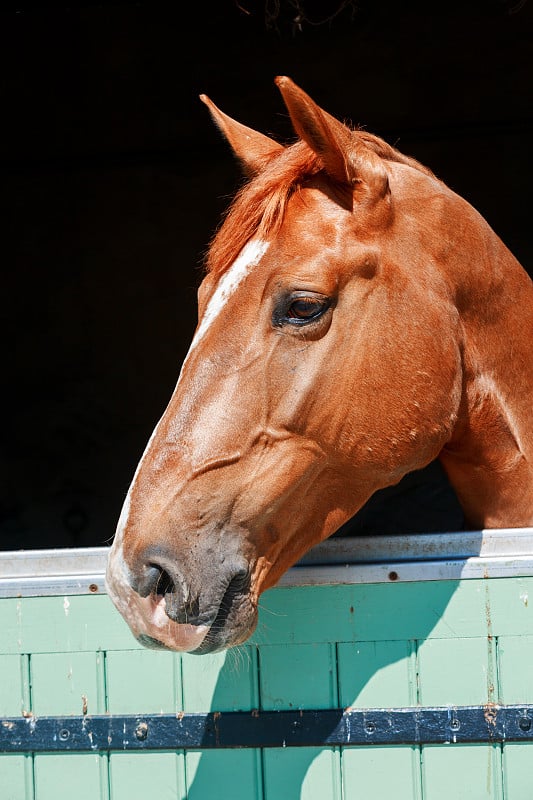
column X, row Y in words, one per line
column 305, row 308
column 300, row 308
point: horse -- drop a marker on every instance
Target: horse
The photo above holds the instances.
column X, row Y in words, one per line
column 357, row 319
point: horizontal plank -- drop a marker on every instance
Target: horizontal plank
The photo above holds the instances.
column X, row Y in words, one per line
column 339, row 613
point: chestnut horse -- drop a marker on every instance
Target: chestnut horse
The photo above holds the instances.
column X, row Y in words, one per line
column 357, row 320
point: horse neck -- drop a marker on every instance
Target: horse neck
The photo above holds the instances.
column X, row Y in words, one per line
column 489, row 459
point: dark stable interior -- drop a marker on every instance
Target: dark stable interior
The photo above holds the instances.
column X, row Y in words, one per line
column 114, row 179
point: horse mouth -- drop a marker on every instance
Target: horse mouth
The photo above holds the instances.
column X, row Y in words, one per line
column 220, row 636
column 234, row 623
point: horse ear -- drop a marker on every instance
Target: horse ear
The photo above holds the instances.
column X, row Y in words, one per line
column 253, row 149
column 344, row 157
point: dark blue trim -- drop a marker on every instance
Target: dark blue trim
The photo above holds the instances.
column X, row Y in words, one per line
column 243, row 729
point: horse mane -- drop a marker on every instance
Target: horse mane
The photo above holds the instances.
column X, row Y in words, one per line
column 258, row 207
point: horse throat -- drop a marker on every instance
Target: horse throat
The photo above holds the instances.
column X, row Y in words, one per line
column 489, row 462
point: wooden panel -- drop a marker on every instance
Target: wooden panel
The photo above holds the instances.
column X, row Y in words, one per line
column 509, row 606
column 517, row 771
column 304, row 773
column 382, row 772
column 377, row 674
column 222, row 682
column 16, row 777
column 469, row 635
column 146, row 775
column 16, row 772
column 381, row 675
column 396, row 611
column 373, row 612
column 464, row 772
column 515, row 655
column 303, row 677
column 68, row 683
column 13, row 685
column 143, row 680
column 457, row 671
column 68, row 776
column 232, row 774
column 63, row 624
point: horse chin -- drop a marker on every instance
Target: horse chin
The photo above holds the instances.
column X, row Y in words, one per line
column 198, row 640
column 223, row 638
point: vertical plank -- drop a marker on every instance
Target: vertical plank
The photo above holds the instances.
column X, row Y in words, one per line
column 464, row 772
column 457, row 671
column 69, row 683
column 71, row 775
column 232, row 774
column 515, row 656
column 222, row 682
column 517, row 771
column 460, row 671
column 16, row 777
column 147, row 775
column 16, row 771
column 13, row 693
column 382, row 772
column 144, row 682
column 302, row 773
column 379, row 674
column 304, row 677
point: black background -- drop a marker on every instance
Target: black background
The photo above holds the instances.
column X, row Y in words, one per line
column 114, row 179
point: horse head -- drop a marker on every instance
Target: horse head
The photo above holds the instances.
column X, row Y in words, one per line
column 333, row 355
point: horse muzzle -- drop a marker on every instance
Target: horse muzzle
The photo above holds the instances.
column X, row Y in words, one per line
column 166, row 609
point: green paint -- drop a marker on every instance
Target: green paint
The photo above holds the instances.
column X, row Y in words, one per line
column 381, row 772
column 381, row 645
column 70, row 775
column 464, row 772
column 16, row 777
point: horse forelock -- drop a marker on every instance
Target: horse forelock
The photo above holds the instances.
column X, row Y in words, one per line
column 258, row 207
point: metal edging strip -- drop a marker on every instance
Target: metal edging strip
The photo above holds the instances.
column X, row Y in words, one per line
column 365, row 559
column 489, row 723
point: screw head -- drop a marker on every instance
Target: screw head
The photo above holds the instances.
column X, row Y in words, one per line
column 141, row 731
column 524, row 723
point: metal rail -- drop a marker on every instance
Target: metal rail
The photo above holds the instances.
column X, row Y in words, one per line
column 246, row 729
column 372, row 559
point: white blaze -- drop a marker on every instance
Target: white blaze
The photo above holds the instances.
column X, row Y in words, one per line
column 249, row 257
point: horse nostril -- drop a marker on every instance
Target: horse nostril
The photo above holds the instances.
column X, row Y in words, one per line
column 153, row 579
column 164, row 583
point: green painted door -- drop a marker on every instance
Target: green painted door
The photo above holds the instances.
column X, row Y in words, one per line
column 375, row 645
